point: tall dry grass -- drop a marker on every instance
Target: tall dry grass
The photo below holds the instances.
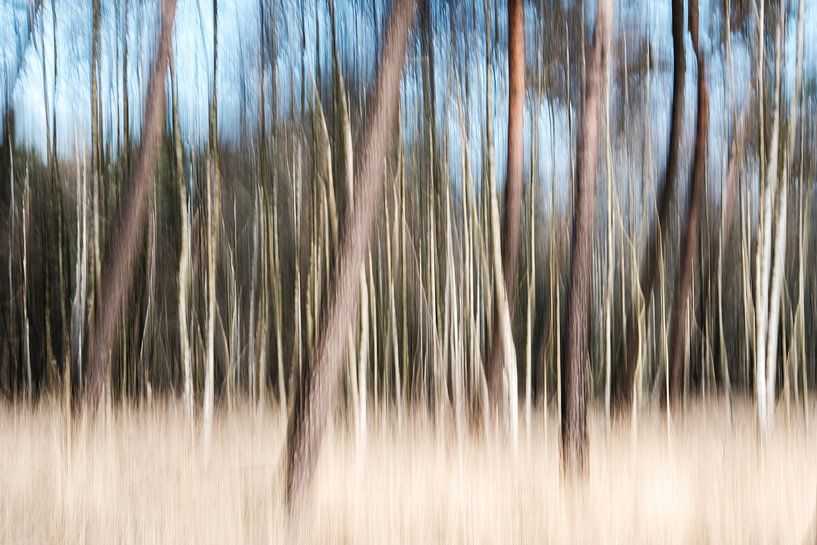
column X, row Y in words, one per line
column 137, row 477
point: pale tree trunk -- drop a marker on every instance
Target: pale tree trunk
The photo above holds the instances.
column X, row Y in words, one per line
column 500, row 366
column 78, row 307
column 531, row 299
column 764, row 257
column 342, row 104
column 778, row 271
column 779, row 264
column 51, row 362
column 358, row 375
column 96, row 276
column 574, row 400
column 213, row 232
column 277, row 298
column 363, row 362
column 317, row 390
column 128, row 229
column 504, row 334
column 689, row 244
column 609, row 282
column 26, row 328
column 185, row 261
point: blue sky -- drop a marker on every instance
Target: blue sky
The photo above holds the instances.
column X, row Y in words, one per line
column 238, row 75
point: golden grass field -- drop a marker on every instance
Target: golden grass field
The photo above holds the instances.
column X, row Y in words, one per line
column 136, row 477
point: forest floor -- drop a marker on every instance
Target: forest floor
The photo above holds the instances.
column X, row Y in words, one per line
column 137, row 477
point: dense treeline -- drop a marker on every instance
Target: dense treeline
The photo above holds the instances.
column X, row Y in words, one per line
column 695, row 246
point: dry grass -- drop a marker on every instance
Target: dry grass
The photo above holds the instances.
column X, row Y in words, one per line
column 137, row 478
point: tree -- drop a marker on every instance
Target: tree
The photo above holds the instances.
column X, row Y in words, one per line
column 213, row 230
column 771, row 260
column 574, row 399
column 498, row 363
column 689, row 245
column 317, row 390
column 624, row 378
column 185, row 266
column 128, row 230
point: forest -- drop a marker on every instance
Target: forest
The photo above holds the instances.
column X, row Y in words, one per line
column 408, row 271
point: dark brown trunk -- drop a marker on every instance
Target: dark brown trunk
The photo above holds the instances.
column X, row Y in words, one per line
column 689, row 247
column 318, row 386
column 513, row 186
column 624, row 374
column 128, row 228
column 574, row 376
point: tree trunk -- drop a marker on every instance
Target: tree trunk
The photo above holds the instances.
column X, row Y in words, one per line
column 128, row 230
column 764, row 253
column 689, row 245
column 213, row 231
column 499, row 363
column 317, row 390
column 185, row 259
column 574, row 411
column 623, row 379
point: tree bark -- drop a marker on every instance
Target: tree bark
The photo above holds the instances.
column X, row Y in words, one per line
column 623, row 379
column 513, row 203
column 689, row 247
column 317, row 389
column 764, row 252
column 185, row 258
column 213, row 233
column 128, row 230
column 574, row 400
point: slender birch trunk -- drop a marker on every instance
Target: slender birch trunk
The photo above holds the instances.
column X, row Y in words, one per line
column 185, row 261
column 779, row 265
column 764, row 259
column 213, row 233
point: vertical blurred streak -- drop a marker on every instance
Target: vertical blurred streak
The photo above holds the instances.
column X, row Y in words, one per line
column 126, row 236
column 500, row 366
column 317, row 390
column 689, row 245
column 574, row 413
column 213, row 232
column 623, row 379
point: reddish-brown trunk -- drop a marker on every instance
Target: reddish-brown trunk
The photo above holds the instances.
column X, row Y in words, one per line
column 574, row 376
column 318, row 386
column 125, row 240
column 513, row 186
column 624, row 376
column 689, row 247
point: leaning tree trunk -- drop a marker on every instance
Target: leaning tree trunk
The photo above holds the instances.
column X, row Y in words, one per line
column 318, row 386
column 574, row 398
column 500, row 365
column 623, row 379
column 689, row 247
column 127, row 234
